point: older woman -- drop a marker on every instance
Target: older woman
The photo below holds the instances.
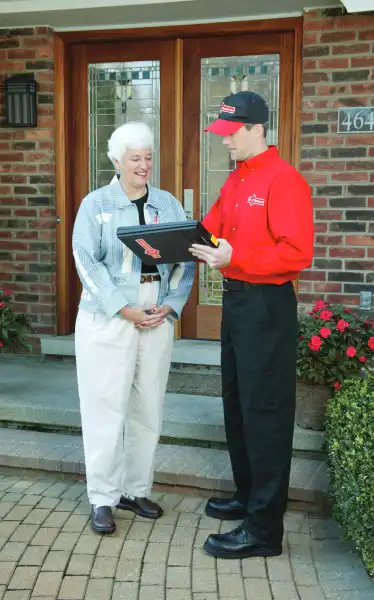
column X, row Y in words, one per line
column 124, row 331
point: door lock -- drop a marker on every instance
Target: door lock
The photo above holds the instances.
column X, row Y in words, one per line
column 188, row 203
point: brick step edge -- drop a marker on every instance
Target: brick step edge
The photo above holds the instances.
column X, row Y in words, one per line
column 203, row 468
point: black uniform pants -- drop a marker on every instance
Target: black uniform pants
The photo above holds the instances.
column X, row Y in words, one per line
column 259, row 332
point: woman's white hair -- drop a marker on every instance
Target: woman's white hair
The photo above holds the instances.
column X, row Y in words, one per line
column 134, row 135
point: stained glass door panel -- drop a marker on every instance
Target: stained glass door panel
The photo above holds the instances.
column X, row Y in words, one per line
column 111, row 84
column 213, row 69
column 120, row 92
column 220, row 77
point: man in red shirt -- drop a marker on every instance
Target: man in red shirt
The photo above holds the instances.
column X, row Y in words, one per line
column 263, row 219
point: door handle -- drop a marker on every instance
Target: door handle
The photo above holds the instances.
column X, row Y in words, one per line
column 188, row 203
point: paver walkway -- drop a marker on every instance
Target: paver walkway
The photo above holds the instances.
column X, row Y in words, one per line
column 47, row 550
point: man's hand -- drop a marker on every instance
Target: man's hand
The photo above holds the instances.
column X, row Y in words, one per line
column 216, row 258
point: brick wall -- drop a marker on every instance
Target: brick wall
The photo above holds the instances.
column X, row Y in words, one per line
column 27, row 183
column 338, row 70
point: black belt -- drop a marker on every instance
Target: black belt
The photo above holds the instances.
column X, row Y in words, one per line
column 149, row 278
column 236, row 285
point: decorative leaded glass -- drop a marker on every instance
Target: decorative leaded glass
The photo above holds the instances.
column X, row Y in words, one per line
column 219, row 78
column 118, row 93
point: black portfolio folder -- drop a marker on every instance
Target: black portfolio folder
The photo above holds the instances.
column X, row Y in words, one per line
column 165, row 242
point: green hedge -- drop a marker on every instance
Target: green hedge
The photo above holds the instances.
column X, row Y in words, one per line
column 350, row 439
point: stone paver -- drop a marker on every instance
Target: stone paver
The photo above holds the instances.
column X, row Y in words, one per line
column 73, row 588
column 48, row 552
column 23, row 578
column 48, row 583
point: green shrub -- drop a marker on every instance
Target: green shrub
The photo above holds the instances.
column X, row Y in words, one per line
column 350, row 439
column 13, row 327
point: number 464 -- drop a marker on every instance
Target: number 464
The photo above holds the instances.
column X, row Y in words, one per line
column 358, row 121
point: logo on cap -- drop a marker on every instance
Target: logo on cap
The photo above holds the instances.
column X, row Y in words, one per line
column 227, row 109
column 148, row 249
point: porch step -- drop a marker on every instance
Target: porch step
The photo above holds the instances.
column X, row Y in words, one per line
column 187, row 352
column 44, row 395
column 202, row 468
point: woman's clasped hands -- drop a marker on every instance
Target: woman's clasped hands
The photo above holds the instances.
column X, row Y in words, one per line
column 145, row 317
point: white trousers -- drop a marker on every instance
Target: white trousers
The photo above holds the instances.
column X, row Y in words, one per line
column 122, row 378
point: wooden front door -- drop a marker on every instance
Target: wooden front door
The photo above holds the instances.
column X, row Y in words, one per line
column 214, row 68
column 175, row 82
column 112, row 84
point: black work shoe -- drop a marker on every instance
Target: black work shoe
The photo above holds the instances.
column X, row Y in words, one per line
column 141, row 506
column 102, row 520
column 227, row 509
column 239, row 543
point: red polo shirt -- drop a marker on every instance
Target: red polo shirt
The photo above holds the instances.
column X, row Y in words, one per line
column 265, row 212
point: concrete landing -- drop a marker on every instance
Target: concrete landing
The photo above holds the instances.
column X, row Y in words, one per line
column 199, row 352
column 45, row 393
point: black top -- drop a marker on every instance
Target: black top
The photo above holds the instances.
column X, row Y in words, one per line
column 139, row 203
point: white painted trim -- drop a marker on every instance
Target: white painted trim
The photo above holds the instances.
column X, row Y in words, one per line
column 27, row 6
column 324, row 7
column 358, row 5
column 186, row 22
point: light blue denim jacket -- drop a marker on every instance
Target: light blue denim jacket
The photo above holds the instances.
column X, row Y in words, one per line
column 109, row 271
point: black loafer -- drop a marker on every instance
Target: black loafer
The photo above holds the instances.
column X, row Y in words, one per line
column 141, row 506
column 227, row 509
column 238, row 544
column 102, row 520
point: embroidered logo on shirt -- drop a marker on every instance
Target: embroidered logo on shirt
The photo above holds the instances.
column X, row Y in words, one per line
column 148, row 249
column 253, row 200
column 227, row 109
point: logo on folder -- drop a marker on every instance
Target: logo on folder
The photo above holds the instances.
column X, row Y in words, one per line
column 149, row 250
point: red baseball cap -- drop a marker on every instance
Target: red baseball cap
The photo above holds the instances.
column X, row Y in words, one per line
column 238, row 109
column 222, row 127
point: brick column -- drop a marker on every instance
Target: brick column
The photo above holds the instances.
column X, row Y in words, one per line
column 338, row 70
column 27, row 182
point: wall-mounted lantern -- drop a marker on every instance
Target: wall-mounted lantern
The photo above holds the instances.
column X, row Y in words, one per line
column 20, row 101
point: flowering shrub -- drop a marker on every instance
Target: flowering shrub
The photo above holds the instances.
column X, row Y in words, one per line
column 334, row 344
column 13, row 327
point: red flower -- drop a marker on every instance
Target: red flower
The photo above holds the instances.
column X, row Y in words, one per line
column 351, row 351
column 2, row 304
column 315, row 343
column 371, row 343
column 337, row 385
column 1, row 344
column 341, row 325
column 325, row 315
column 314, row 348
column 362, row 359
column 7, row 292
column 301, row 337
column 348, row 310
column 319, row 304
column 325, row 332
